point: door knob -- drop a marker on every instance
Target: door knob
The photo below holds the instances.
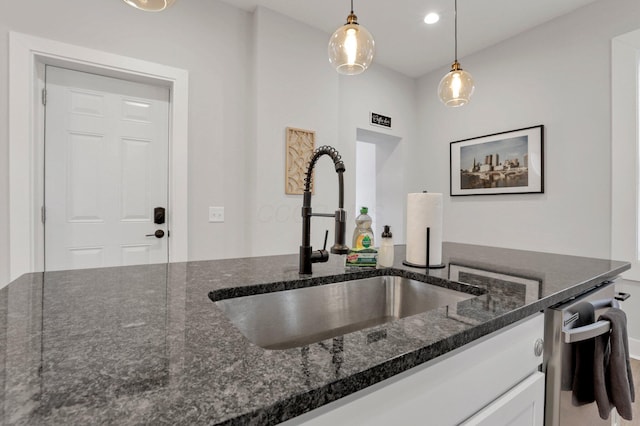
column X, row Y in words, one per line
column 538, row 348
column 158, row 234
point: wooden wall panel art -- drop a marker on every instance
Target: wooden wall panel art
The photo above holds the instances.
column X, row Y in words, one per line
column 300, row 146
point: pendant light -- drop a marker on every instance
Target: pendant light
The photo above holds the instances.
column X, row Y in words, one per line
column 150, row 5
column 455, row 88
column 351, row 47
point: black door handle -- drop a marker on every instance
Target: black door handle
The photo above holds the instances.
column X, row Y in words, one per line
column 158, row 234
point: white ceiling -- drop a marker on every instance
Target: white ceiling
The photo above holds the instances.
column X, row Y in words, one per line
column 405, row 43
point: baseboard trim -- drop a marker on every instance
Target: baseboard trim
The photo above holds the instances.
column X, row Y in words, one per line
column 634, row 348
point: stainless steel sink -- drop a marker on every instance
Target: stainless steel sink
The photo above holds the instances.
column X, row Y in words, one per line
column 293, row 318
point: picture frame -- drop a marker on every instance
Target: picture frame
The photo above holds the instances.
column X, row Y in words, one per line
column 509, row 162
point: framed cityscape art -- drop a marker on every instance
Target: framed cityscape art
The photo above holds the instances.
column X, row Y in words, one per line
column 502, row 163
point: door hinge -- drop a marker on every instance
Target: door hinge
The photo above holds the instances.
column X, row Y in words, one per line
column 44, row 97
column 43, row 214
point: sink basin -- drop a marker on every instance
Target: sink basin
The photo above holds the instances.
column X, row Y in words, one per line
column 294, row 318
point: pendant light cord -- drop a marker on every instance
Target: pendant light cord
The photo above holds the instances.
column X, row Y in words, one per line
column 351, row 6
column 455, row 19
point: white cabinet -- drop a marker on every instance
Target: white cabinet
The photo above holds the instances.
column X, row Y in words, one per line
column 494, row 376
column 521, row 406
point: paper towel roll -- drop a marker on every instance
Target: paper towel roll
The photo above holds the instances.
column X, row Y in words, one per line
column 424, row 210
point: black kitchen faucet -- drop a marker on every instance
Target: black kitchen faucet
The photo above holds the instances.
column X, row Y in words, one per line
column 307, row 256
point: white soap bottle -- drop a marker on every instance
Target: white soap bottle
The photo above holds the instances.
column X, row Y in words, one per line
column 385, row 252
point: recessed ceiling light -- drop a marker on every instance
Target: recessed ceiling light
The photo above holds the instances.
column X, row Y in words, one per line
column 431, row 18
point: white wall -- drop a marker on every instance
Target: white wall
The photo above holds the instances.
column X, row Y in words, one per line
column 624, row 157
column 209, row 39
column 366, row 182
column 380, row 181
column 385, row 92
column 558, row 75
column 295, row 86
column 250, row 76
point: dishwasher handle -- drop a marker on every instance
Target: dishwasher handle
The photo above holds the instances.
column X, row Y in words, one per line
column 586, row 332
column 590, row 331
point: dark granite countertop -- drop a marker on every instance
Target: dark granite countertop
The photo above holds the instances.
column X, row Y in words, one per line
column 145, row 344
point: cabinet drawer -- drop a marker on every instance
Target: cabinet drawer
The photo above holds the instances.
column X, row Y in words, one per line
column 521, row 406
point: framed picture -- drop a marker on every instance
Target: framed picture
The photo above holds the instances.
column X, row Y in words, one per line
column 505, row 292
column 501, row 163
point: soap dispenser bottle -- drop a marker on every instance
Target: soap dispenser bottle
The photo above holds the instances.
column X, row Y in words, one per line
column 363, row 234
column 385, row 252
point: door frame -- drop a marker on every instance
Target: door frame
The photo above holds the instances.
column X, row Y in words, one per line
column 27, row 57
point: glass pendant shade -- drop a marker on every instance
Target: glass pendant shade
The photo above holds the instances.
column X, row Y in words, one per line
column 351, row 48
column 456, row 87
column 150, row 5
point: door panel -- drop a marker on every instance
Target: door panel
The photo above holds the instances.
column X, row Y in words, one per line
column 136, row 255
column 106, row 169
column 87, row 257
column 136, row 170
column 84, row 177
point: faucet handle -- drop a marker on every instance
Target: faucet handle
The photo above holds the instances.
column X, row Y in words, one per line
column 321, row 255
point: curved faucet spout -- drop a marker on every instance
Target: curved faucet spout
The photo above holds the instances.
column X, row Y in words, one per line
column 339, row 165
column 307, row 256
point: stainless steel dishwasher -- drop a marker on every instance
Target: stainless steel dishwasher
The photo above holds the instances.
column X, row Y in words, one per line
column 559, row 335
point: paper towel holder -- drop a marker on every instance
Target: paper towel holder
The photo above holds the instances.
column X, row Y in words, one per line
column 426, row 265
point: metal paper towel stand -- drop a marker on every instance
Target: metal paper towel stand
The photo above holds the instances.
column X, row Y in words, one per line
column 426, row 265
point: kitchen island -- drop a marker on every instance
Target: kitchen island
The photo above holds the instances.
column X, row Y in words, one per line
column 146, row 344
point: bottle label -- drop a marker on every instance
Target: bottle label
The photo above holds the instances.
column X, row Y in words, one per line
column 364, row 241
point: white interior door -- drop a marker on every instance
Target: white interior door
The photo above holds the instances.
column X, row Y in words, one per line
column 106, row 170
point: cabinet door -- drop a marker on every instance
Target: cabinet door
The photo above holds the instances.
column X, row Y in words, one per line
column 521, row 406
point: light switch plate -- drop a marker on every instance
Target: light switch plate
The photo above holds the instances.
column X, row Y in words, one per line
column 216, row 214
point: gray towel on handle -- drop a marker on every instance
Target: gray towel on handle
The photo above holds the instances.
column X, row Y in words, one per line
column 613, row 382
column 582, row 369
